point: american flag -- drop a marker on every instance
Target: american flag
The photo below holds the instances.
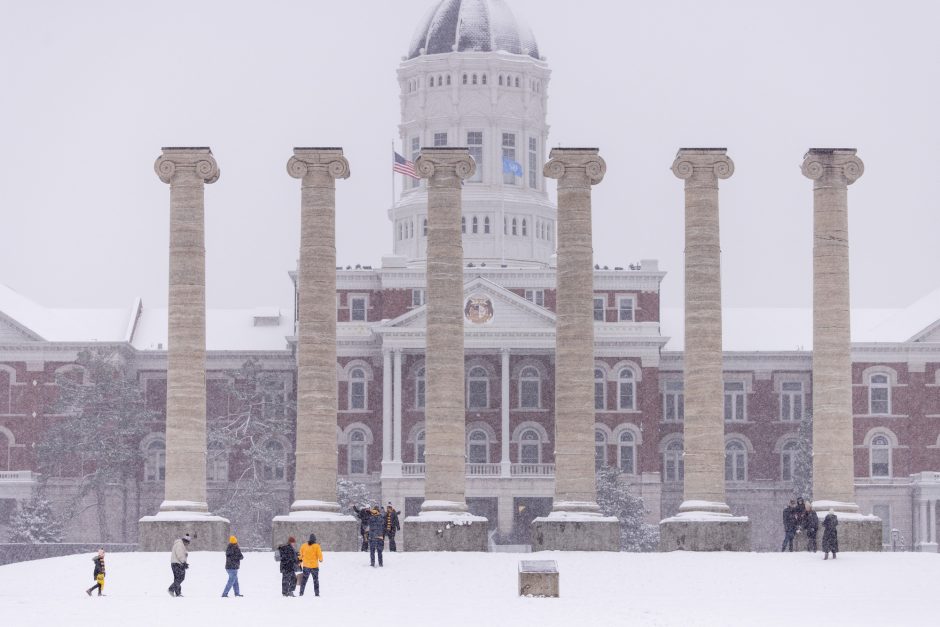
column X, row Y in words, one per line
column 403, row 166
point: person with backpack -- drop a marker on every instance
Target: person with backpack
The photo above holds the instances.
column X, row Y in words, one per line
column 830, row 540
column 233, row 558
column 98, row 574
column 287, row 556
column 310, row 557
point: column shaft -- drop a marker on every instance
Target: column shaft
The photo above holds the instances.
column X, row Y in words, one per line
column 922, row 527
column 504, row 413
column 386, row 406
column 932, row 521
column 396, row 411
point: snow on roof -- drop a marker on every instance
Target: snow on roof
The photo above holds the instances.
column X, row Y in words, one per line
column 226, row 330
column 65, row 325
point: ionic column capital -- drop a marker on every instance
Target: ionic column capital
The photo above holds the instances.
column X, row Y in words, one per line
column 707, row 164
column 322, row 162
column 445, row 166
column 832, row 165
column 178, row 165
column 573, row 166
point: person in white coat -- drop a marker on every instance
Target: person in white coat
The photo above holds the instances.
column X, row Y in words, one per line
column 178, row 564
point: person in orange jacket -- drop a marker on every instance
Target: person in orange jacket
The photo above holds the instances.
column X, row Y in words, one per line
column 310, row 557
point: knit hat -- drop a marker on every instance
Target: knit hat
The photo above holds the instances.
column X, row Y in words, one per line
column 312, row 539
column 186, row 538
column 291, row 540
column 232, row 540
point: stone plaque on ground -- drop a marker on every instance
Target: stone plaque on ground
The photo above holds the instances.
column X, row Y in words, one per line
column 538, row 578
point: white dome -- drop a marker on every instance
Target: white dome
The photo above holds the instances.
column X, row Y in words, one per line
column 472, row 26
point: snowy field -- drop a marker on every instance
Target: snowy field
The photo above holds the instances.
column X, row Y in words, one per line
column 425, row 589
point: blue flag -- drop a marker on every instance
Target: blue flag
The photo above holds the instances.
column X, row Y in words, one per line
column 511, row 167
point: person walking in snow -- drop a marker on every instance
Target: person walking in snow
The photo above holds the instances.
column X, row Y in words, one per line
column 233, row 558
column 391, row 526
column 287, row 556
column 179, row 564
column 789, row 526
column 364, row 514
column 310, row 557
column 830, row 541
column 811, row 526
column 376, row 535
column 98, row 574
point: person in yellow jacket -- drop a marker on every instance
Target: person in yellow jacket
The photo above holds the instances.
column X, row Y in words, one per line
column 98, row 574
column 310, row 557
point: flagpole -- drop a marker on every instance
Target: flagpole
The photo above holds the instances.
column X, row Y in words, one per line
column 393, row 174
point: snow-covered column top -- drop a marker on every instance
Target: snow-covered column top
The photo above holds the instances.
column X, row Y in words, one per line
column 187, row 171
column 703, row 427
column 315, row 476
column 832, row 170
column 577, row 170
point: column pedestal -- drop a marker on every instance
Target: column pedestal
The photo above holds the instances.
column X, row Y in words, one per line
column 335, row 531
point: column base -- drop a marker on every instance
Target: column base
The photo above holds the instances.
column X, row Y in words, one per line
column 575, row 531
column 446, row 527
column 926, row 547
column 857, row 532
column 159, row 532
column 334, row 531
column 710, row 529
column 391, row 469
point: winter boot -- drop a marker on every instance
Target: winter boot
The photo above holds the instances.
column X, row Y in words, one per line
column 88, row 592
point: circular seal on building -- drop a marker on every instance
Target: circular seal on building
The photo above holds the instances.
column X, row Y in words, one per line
column 478, row 309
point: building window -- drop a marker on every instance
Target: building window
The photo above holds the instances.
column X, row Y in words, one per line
column 600, row 389
column 448, row 79
column 791, row 400
column 509, row 152
column 735, row 461
column 879, row 394
column 500, row 80
column 734, row 401
column 478, row 447
column 357, row 308
column 524, row 231
column 600, row 449
column 155, row 462
column 357, row 389
column 626, row 389
column 674, row 401
column 514, row 227
column 475, row 222
column 275, row 461
column 358, row 452
column 475, row 146
column 530, row 447
column 486, row 226
column 216, row 462
column 627, row 453
column 536, row 296
column 401, row 227
column 417, row 297
column 788, row 456
column 415, row 151
column 424, row 227
column 598, row 309
column 464, row 79
column 420, row 387
column 419, row 447
column 673, row 463
column 440, row 139
column 431, row 82
column 625, row 309
column 6, row 393
column 533, row 163
column 530, row 390
column 880, row 451
column 478, row 388
column 483, row 79
column 474, row 79
column 517, row 81
column 463, row 224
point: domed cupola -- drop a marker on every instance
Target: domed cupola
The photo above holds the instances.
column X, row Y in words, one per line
column 472, row 26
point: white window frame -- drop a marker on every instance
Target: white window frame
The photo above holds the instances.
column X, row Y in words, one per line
column 674, row 462
column 354, row 381
column 631, row 381
column 886, row 449
column 525, row 378
column 418, row 296
column 440, row 139
column 535, row 296
column 533, row 162
column 476, row 152
column 788, row 455
column 737, row 450
column 600, row 385
column 358, row 445
column 415, row 151
column 600, row 446
column 365, row 306
column 886, row 386
column 529, row 442
column 602, row 310
column 620, row 312
column 216, row 462
column 155, row 461
column 484, row 443
column 421, row 389
column 472, row 378
column 508, row 150
column 738, row 398
column 621, row 445
column 792, row 401
column 674, row 391
column 278, row 471
column 420, row 441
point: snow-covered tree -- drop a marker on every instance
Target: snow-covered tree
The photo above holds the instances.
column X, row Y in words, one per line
column 615, row 499
column 104, row 417
column 349, row 493
column 35, row 522
column 803, row 464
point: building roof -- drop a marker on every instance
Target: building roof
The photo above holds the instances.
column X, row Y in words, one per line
column 472, row 26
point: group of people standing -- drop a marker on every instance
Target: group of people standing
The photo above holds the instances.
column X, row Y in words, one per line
column 297, row 567
column 798, row 516
column 374, row 526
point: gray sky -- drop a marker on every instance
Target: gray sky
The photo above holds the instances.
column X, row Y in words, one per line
column 92, row 90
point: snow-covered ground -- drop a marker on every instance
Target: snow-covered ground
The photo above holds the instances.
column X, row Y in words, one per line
column 418, row 589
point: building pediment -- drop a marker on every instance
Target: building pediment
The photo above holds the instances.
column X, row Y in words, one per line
column 11, row 331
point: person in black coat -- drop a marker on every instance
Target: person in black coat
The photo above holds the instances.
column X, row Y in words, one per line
column 233, row 559
column 287, row 556
column 799, row 512
column 376, row 535
column 789, row 526
column 364, row 514
column 98, row 574
column 830, row 540
column 811, row 526
column 391, row 526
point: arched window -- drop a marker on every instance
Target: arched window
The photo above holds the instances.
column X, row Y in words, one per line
column 523, row 227
column 424, row 227
column 399, row 230
column 478, row 447
column 483, row 79
column 155, row 461
column 431, row 82
column 505, row 231
column 420, row 387
column 880, row 453
column 517, row 81
column 600, row 389
column 514, row 230
column 440, row 80
column 673, row 463
column 275, row 461
column 626, row 452
column 216, row 462
column 486, row 226
column 6, row 442
column 735, row 461
column 448, row 79
column 464, row 79
column 626, row 389
column 463, row 224
column 419, row 447
column 478, row 388
column 474, row 79
column 530, row 388
column 788, row 460
column 600, row 449
column 475, row 224
column 411, row 229
column 879, row 394
column 358, row 452
column 500, row 80
column 6, row 392
column 357, row 389
column 530, row 447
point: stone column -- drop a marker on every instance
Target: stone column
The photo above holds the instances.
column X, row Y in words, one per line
column 315, row 476
column 922, row 537
column 704, row 522
column 396, row 411
column 832, row 170
column 184, row 509
column 505, row 465
column 575, row 522
column 445, row 414
column 386, row 408
column 933, row 521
